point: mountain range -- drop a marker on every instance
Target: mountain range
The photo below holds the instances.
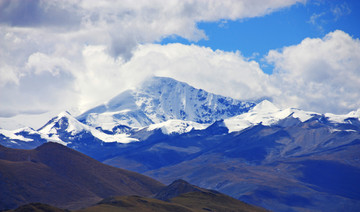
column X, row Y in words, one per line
column 280, row 159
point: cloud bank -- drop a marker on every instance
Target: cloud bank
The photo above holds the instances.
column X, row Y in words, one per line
column 72, row 54
column 319, row 74
column 53, row 52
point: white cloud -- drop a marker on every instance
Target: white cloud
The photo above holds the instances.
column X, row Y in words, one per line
column 314, row 17
column 48, row 62
column 8, row 75
column 225, row 73
column 121, row 25
column 220, row 72
column 53, row 52
column 39, row 62
column 319, row 74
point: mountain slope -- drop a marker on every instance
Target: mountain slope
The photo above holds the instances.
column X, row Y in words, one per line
column 180, row 196
column 212, row 201
column 188, row 202
column 57, row 175
column 298, row 167
column 38, row 207
column 289, row 137
column 177, row 188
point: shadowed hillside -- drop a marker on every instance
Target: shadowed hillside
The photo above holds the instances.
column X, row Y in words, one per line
column 179, row 196
column 60, row 176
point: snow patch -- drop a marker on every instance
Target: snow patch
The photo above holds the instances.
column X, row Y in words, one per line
column 109, row 120
column 53, row 138
column 342, row 118
column 177, row 126
column 12, row 135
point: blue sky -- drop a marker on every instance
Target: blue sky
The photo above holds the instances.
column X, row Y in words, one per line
column 254, row 37
column 73, row 55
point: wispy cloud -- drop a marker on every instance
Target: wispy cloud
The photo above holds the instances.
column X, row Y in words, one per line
column 332, row 14
column 314, row 17
column 314, row 20
column 340, row 10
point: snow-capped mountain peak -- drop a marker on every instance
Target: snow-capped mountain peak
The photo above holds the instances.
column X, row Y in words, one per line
column 267, row 114
column 265, row 106
column 64, row 127
column 161, row 99
column 63, row 120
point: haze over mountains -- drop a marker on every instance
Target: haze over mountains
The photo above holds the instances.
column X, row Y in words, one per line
column 253, row 151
